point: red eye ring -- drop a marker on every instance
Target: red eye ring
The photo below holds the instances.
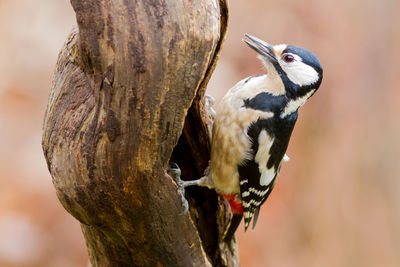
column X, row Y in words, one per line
column 288, row 58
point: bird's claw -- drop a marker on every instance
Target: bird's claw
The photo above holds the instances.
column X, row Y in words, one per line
column 185, row 203
column 175, row 172
column 209, row 101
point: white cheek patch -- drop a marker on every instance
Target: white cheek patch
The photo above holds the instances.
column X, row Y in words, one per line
column 300, row 73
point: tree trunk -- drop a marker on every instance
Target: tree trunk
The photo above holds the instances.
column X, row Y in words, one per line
column 127, row 99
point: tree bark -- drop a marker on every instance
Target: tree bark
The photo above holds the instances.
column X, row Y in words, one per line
column 127, row 99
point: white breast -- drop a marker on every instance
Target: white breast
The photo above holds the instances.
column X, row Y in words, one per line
column 230, row 143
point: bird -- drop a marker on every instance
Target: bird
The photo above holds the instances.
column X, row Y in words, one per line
column 252, row 127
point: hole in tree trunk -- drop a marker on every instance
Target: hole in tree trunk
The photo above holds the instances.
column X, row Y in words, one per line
column 192, row 154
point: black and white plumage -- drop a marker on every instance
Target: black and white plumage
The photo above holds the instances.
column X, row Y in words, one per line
column 253, row 125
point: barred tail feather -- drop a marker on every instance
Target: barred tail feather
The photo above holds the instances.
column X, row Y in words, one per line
column 256, row 212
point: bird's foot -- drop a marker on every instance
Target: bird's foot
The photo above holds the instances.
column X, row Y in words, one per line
column 209, row 101
column 175, row 172
column 205, row 181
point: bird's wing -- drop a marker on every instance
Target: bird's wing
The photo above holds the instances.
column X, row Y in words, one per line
column 256, row 180
column 269, row 138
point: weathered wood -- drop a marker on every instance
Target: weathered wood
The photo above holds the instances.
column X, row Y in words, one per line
column 123, row 86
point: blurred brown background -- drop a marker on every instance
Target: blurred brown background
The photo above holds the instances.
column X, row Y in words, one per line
column 336, row 203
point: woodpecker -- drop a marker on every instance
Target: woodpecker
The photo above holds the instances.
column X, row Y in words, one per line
column 252, row 128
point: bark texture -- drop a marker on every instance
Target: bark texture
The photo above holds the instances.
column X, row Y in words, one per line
column 127, row 99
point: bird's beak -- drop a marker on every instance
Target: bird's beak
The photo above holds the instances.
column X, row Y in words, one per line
column 263, row 48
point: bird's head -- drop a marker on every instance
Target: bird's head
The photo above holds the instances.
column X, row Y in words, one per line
column 299, row 69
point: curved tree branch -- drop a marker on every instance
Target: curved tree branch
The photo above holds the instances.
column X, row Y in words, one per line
column 129, row 81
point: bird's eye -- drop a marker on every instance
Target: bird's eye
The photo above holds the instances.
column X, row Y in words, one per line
column 288, row 58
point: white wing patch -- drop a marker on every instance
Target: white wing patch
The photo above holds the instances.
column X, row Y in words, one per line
column 242, row 182
column 251, row 202
column 258, row 192
column 266, row 176
column 254, row 191
column 262, row 156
